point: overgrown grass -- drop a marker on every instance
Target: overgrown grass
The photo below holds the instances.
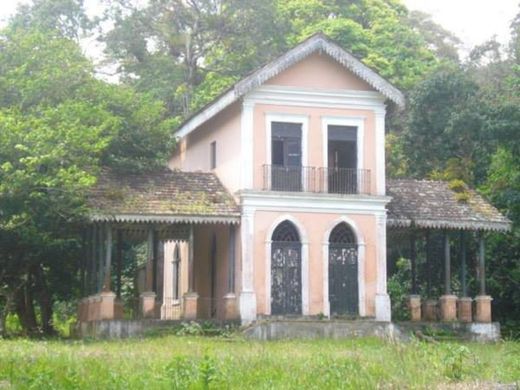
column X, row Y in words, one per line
column 174, row 362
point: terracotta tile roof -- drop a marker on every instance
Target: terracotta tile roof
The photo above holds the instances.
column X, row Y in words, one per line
column 162, row 196
column 432, row 204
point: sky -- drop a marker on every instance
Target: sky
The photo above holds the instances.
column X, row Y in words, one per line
column 473, row 21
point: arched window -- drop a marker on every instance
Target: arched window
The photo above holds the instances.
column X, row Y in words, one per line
column 342, row 234
column 286, row 232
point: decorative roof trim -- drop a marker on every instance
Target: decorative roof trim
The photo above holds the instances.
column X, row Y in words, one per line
column 168, row 219
column 317, row 42
column 451, row 225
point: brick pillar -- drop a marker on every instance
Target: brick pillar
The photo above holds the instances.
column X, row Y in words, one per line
column 230, row 307
column 147, row 303
column 448, row 307
column 106, row 305
column 414, row 305
column 483, row 308
column 464, row 313
column 190, row 305
column 429, row 310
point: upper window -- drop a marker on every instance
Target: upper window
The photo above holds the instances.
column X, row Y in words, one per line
column 213, row 155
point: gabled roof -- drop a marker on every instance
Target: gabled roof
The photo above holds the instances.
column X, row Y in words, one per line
column 163, row 196
column 316, row 43
column 432, row 204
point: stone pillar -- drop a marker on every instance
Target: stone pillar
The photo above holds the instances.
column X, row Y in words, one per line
column 383, row 306
column 414, row 305
column 108, row 260
column 429, row 310
column 106, row 305
column 147, row 304
column 448, row 307
column 483, row 308
column 464, row 312
column 190, row 305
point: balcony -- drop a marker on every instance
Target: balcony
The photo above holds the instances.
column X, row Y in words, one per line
column 316, row 179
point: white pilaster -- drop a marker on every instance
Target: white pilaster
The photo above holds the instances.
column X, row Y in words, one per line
column 380, row 151
column 247, row 151
column 247, row 294
column 383, row 306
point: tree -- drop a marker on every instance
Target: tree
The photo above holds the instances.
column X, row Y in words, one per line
column 58, row 125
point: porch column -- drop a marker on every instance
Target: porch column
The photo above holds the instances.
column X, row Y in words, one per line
column 93, row 261
column 230, row 299
column 483, row 301
column 414, row 300
column 464, row 310
column 247, row 294
column 147, row 297
column 448, row 302
column 383, row 306
column 429, row 306
column 108, row 259
column 119, row 262
column 100, row 255
column 191, row 297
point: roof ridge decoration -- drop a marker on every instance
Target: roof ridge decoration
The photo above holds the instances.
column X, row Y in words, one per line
column 316, row 42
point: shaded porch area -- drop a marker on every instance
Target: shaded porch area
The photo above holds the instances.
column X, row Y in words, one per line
column 159, row 245
column 436, row 236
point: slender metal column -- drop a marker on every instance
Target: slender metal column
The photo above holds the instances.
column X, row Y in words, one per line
column 191, row 275
column 463, row 274
column 481, row 263
column 100, row 258
column 149, row 260
column 447, row 264
column 108, row 259
column 428, row 264
column 231, row 259
column 119, row 262
column 413, row 260
column 93, row 261
column 155, row 252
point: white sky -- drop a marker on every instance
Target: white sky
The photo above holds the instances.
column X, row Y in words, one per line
column 474, row 21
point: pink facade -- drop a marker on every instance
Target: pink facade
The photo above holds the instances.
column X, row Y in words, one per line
column 304, row 146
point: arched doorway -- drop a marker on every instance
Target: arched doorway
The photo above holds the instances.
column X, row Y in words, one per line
column 286, row 270
column 343, row 271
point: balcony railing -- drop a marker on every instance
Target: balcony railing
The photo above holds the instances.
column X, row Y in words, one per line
column 316, row 179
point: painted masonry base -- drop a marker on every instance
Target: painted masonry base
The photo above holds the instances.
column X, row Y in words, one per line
column 190, row 306
column 448, row 308
column 247, row 307
column 147, row 304
column 464, row 312
column 230, row 307
column 483, row 308
column 383, row 308
column 414, row 305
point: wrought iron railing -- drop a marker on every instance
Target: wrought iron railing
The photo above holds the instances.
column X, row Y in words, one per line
column 316, row 179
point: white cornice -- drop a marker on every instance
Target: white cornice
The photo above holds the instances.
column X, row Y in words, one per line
column 312, row 203
column 308, row 97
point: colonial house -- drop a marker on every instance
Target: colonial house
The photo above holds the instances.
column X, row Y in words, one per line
column 274, row 205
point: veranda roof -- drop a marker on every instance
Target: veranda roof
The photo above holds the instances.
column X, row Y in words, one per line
column 162, row 196
column 432, row 204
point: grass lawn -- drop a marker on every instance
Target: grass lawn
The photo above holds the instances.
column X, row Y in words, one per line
column 182, row 362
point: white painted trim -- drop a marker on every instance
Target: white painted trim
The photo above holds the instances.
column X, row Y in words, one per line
column 380, row 151
column 247, row 302
column 314, row 203
column 309, row 97
column 360, row 239
column 246, row 144
column 304, row 240
column 303, row 120
column 382, row 302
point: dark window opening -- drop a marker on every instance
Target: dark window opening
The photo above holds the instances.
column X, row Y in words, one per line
column 213, row 155
column 286, row 156
column 342, row 159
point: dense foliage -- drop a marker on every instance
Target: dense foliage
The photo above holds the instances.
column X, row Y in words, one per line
column 59, row 123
